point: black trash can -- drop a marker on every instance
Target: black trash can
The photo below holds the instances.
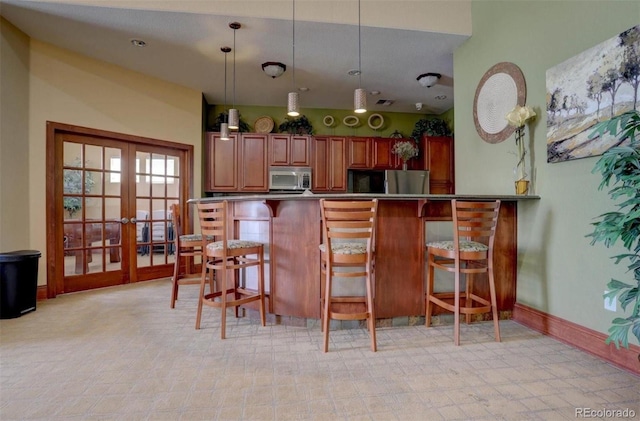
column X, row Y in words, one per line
column 18, row 282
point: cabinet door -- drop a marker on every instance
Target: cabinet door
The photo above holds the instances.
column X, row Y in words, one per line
column 299, row 151
column 382, row 158
column 337, row 164
column 359, row 152
column 320, row 164
column 438, row 159
column 279, row 149
column 221, row 163
column 328, row 168
column 253, row 166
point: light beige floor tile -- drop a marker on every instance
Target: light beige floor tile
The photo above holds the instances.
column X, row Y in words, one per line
column 122, row 354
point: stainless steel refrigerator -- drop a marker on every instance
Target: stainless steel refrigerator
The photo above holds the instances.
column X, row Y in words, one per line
column 406, row 182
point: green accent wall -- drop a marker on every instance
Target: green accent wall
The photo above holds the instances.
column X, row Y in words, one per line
column 559, row 271
column 402, row 122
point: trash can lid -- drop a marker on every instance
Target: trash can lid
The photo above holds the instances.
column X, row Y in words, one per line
column 18, row 255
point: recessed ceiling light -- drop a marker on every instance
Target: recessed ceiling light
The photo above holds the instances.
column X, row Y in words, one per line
column 374, row 93
column 303, row 89
column 138, row 43
column 354, row 72
column 441, row 97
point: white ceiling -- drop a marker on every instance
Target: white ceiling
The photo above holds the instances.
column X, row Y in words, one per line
column 184, row 40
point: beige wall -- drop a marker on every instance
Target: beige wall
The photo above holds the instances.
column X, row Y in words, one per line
column 68, row 88
column 559, row 272
column 14, row 138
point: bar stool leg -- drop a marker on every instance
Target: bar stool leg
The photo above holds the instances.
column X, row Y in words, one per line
column 327, row 306
column 370, row 309
column 456, row 313
column 428, row 303
column 261, row 287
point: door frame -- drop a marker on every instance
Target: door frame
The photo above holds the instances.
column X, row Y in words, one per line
column 55, row 254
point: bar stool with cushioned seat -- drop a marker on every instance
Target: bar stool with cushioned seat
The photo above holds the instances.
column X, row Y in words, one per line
column 347, row 251
column 186, row 246
column 470, row 253
column 228, row 257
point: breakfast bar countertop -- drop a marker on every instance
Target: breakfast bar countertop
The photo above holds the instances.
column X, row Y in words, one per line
column 309, row 196
column 290, row 227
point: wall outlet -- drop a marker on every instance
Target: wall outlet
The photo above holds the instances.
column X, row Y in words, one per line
column 610, row 303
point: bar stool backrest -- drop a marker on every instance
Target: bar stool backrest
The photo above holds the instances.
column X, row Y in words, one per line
column 349, row 222
column 213, row 221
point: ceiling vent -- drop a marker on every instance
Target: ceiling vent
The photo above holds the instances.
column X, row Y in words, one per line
column 385, row 102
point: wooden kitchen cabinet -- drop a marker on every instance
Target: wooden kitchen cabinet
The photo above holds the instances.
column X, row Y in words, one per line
column 238, row 164
column 329, row 164
column 375, row 153
column 221, row 163
column 359, row 156
column 382, row 158
column 253, row 168
column 438, row 154
column 289, row 150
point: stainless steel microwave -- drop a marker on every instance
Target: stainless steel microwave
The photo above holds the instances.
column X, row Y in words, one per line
column 289, row 178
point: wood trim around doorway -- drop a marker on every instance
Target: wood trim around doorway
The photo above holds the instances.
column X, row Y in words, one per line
column 54, row 172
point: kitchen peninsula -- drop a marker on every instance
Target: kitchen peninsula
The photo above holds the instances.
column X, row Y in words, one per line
column 290, row 226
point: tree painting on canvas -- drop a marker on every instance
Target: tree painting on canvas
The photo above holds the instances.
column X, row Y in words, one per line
column 594, row 86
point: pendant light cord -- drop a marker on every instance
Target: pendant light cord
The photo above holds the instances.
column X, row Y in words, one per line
column 294, row 45
column 359, row 51
column 225, row 84
column 234, row 69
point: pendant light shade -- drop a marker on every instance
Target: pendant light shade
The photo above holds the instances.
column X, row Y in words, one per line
column 224, row 126
column 292, row 104
column 234, row 119
column 224, row 131
column 360, row 95
column 293, row 109
column 360, row 101
column 234, row 115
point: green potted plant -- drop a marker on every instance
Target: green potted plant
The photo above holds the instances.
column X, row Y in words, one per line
column 300, row 125
column 72, row 184
column 620, row 166
column 430, row 127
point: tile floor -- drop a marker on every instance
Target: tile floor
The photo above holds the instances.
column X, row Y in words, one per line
column 122, row 354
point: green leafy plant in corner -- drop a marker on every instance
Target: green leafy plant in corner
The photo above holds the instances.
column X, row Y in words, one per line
column 430, row 127
column 620, row 166
column 300, row 125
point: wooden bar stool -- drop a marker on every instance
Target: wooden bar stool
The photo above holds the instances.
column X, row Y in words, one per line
column 228, row 257
column 348, row 242
column 470, row 253
column 186, row 246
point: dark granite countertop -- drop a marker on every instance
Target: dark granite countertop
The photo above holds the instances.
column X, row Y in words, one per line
column 311, row 196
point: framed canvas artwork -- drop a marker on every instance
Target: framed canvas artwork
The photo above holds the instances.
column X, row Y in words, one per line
column 594, row 86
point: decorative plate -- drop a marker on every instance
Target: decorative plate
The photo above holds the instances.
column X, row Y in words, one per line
column 263, row 124
column 351, row 121
column 501, row 88
column 375, row 121
column 328, row 120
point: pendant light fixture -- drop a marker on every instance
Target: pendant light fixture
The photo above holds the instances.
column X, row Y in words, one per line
column 292, row 98
column 234, row 115
column 224, row 126
column 360, row 95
